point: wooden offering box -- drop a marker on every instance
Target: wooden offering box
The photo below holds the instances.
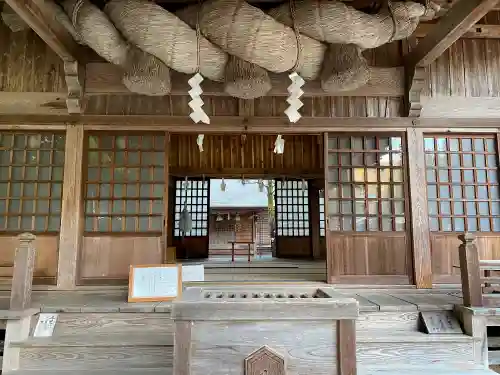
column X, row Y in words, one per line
column 264, row 330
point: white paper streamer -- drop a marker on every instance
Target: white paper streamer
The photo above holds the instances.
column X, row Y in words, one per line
column 279, row 145
column 295, row 92
column 199, row 141
column 196, row 104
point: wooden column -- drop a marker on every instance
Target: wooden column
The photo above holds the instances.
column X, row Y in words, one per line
column 314, row 219
column 22, row 278
column 469, row 271
column 166, row 219
column 71, row 235
column 420, row 235
column 346, row 347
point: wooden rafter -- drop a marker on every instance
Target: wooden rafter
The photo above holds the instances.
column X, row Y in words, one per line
column 463, row 15
column 39, row 17
column 456, row 22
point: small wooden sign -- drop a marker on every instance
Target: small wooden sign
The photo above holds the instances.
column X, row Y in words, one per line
column 45, row 325
column 193, row 273
column 154, row 283
column 440, row 322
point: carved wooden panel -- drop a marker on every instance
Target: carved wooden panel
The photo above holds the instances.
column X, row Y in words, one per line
column 265, row 361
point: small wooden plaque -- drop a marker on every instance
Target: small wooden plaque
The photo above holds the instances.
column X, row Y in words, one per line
column 154, row 283
column 265, row 361
column 436, row 322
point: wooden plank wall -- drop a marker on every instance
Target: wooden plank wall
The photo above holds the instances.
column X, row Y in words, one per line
column 234, row 156
column 27, row 64
column 465, row 80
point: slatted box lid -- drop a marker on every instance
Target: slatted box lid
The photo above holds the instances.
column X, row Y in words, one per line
column 263, row 303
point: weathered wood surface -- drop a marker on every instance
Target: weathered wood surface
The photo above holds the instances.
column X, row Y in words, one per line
column 218, row 349
column 104, row 78
column 22, row 278
column 469, row 271
column 70, row 239
column 124, row 339
column 282, row 309
column 420, row 238
column 90, row 358
column 460, row 18
column 346, row 347
column 107, row 323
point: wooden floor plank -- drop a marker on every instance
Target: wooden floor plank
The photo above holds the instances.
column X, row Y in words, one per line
column 386, row 302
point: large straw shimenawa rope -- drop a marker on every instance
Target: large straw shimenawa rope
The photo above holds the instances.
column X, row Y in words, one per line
column 164, row 35
column 143, row 73
column 322, row 39
column 242, row 79
column 335, row 22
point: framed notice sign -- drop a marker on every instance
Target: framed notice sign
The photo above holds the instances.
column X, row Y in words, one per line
column 154, row 283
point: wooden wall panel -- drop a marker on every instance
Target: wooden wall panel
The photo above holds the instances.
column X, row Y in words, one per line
column 230, row 155
column 470, row 68
column 27, row 64
column 46, row 247
column 109, row 257
column 445, row 261
column 360, row 255
column 355, row 106
column 294, row 247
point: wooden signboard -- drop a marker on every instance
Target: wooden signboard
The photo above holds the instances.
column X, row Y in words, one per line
column 154, row 283
column 440, row 322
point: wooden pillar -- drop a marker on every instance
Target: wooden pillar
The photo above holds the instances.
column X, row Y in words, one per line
column 420, row 235
column 346, row 347
column 164, row 243
column 22, row 278
column 469, row 271
column 314, row 219
column 71, row 235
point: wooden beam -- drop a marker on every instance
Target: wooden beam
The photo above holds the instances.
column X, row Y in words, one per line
column 420, row 235
column 36, row 13
column 33, row 103
column 70, row 236
column 456, row 22
column 104, row 78
column 478, row 31
column 238, row 125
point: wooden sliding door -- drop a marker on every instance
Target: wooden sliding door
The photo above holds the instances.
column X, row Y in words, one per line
column 366, row 209
column 195, row 196
column 292, row 219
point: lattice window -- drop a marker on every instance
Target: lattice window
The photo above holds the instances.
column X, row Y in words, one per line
column 124, row 184
column 292, row 208
column 366, row 190
column 193, row 195
column 31, row 177
column 462, row 183
column 322, row 214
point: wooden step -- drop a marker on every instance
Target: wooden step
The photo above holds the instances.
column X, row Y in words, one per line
column 104, row 323
column 135, row 371
column 99, row 340
column 449, row 369
column 95, row 358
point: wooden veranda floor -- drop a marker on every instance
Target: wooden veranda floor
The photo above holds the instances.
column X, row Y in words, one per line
column 370, row 300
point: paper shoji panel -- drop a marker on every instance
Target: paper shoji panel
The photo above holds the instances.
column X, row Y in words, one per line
column 193, row 194
column 292, row 208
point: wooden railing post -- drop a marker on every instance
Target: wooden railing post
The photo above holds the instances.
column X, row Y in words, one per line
column 346, row 347
column 22, row 278
column 469, row 271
